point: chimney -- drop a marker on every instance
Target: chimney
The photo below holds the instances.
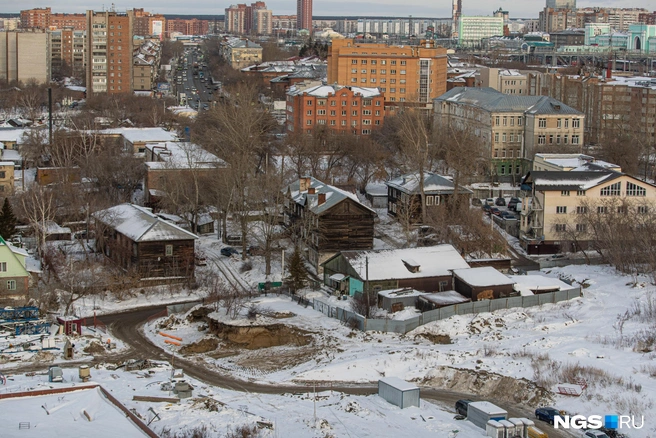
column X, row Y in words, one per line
column 609, row 70
column 322, row 198
column 304, row 183
column 311, row 190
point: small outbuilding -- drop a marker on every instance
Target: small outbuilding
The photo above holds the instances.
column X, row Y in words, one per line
column 427, row 302
column 398, row 392
column 484, row 283
column 71, row 324
column 396, row 300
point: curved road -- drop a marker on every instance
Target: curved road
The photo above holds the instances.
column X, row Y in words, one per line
column 126, row 326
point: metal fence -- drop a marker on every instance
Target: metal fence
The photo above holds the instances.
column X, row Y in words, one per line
column 404, row 326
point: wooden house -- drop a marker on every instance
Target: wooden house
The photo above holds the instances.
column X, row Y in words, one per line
column 327, row 219
column 404, row 194
column 484, row 283
column 426, row 269
column 14, row 277
column 140, row 241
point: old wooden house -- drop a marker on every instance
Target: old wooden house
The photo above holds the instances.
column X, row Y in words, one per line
column 327, row 219
column 141, row 242
column 484, row 283
column 426, row 269
column 404, row 194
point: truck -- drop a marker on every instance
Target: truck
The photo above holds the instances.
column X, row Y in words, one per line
column 481, row 412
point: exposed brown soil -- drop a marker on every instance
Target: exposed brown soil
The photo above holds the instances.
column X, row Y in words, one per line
column 490, row 385
column 277, row 358
column 199, row 314
column 205, row 345
column 94, row 347
column 435, row 339
column 253, row 337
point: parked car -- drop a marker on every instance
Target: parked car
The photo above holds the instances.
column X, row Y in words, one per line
column 507, row 215
column 229, row 251
column 486, row 209
column 477, row 202
column 495, row 211
column 200, row 260
column 547, row 414
column 594, row 434
column 501, row 202
column 512, row 203
column 461, row 407
column 489, row 201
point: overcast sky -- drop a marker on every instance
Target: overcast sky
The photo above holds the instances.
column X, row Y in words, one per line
column 417, row 8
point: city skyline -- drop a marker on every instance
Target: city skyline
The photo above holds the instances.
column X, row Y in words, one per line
column 418, row 8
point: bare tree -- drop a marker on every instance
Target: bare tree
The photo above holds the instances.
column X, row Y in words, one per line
column 38, row 207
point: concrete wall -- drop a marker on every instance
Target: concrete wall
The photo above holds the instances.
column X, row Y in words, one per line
column 24, row 56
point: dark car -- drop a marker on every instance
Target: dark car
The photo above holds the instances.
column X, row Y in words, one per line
column 513, row 203
column 547, row 414
column 461, row 407
column 507, row 215
column 495, row 211
column 501, row 202
column 486, row 209
column 229, row 251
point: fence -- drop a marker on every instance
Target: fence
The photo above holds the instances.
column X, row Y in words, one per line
column 404, row 326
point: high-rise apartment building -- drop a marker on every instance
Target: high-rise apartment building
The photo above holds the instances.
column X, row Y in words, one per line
column 402, row 73
column 262, row 22
column 621, row 18
column 76, row 21
column 235, row 19
column 109, row 51
column 304, row 14
column 145, row 24
column 24, row 56
column 472, row 30
column 187, row 27
column 456, row 12
column 253, row 19
column 67, row 52
column 38, row 18
column 561, row 4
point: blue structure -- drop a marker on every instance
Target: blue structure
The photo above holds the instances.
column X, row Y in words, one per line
column 23, row 321
column 11, row 314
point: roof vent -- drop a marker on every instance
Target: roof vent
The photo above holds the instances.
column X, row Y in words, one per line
column 411, row 265
column 556, row 106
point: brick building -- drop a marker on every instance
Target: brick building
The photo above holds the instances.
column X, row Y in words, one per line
column 110, row 47
column 61, row 21
column 402, row 73
column 145, row 24
column 37, row 18
column 187, row 27
column 304, row 14
column 67, row 51
column 334, row 107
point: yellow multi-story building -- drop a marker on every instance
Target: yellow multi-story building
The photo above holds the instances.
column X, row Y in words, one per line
column 559, row 206
column 415, row 74
column 6, row 178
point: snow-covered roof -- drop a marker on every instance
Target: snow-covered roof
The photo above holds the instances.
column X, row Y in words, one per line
column 14, row 249
column 446, row 298
column 52, row 227
column 11, row 155
column 333, row 194
column 572, row 180
column 436, row 261
column 140, row 135
column 181, row 155
column 532, row 283
column 327, row 90
column 402, row 292
column 433, row 184
column 482, row 276
column 574, row 161
column 376, row 189
column 399, row 384
column 12, row 134
column 77, row 88
column 140, row 224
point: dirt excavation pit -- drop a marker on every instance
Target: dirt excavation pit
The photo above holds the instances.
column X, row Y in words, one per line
column 253, row 337
column 490, row 385
column 205, row 345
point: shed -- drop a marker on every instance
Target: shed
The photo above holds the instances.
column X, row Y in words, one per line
column 396, row 300
column 71, row 324
column 398, row 392
column 484, row 283
column 537, row 284
column 427, row 302
column 377, row 195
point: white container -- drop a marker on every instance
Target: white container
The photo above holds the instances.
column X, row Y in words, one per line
column 527, row 423
column 495, row 429
column 510, row 428
column 519, row 426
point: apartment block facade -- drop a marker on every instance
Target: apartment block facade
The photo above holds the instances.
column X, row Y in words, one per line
column 37, row 18
column 144, row 23
column 240, row 52
column 304, row 14
column 249, row 19
column 415, row 74
column 67, row 51
column 512, row 128
column 503, row 80
column 25, row 56
column 473, row 30
column 109, row 51
column 340, row 108
column 187, row 27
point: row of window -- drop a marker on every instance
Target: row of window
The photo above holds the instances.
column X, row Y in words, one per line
column 502, row 170
column 576, row 123
column 506, row 137
column 322, row 112
column 509, row 152
column 322, row 102
column 382, row 72
column 567, row 192
column 580, row 228
column 375, row 61
column 508, row 120
column 616, row 190
column 542, row 139
column 343, row 122
column 602, row 209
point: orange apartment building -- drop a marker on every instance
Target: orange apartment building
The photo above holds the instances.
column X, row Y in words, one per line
column 336, row 107
column 145, row 24
column 109, row 52
column 187, row 27
column 43, row 18
column 414, row 74
column 76, row 21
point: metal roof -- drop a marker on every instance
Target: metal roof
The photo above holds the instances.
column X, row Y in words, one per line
column 572, row 180
column 433, row 184
column 333, row 196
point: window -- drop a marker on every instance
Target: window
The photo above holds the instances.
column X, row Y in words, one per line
column 602, row 209
column 343, row 122
column 581, row 209
column 332, row 113
column 354, row 103
column 354, row 70
column 402, row 62
column 564, row 193
column 383, row 62
column 566, row 123
column 309, row 102
column 503, row 153
column 393, row 62
column 621, row 209
column 581, row 228
column 354, row 113
column 580, row 193
column 505, row 121
column 576, row 123
column 3, row 266
column 373, row 71
column 542, row 139
column 363, row 62
column 11, row 284
column 343, row 113
column 542, row 123
column 496, row 120
column 332, row 103
column 373, row 62
column 309, row 112
column 560, row 228
column 551, row 138
column 354, row 61
column 496, row 137
column 643, row 209
column 503, row 170
column 631, row 189
column 558, row 139
column 308, row 122
column 354, row 79
column 575, row 139
column 332, row 123
column 503, row 137
column 364, row 71
column 429, row 200
column 321, row 122
column 343, row 103
column 512, row 121
column 611, row 190
column 559, row 123
column 402, row 72
column 383, row 72
column 565, row 138
column 363, row 80
column 392, row 72
column 519, row 121
column 321, row 112
column 561, row 209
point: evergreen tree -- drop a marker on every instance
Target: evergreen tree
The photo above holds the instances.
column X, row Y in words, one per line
column 7, row 221
column 297, row 273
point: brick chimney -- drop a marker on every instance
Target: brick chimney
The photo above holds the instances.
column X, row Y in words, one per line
column 322, row 198
column 304, row 183
column 311, row 190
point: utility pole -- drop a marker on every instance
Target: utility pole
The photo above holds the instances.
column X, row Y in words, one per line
column 50, row 116
column 366, row 287
column 315, row 402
